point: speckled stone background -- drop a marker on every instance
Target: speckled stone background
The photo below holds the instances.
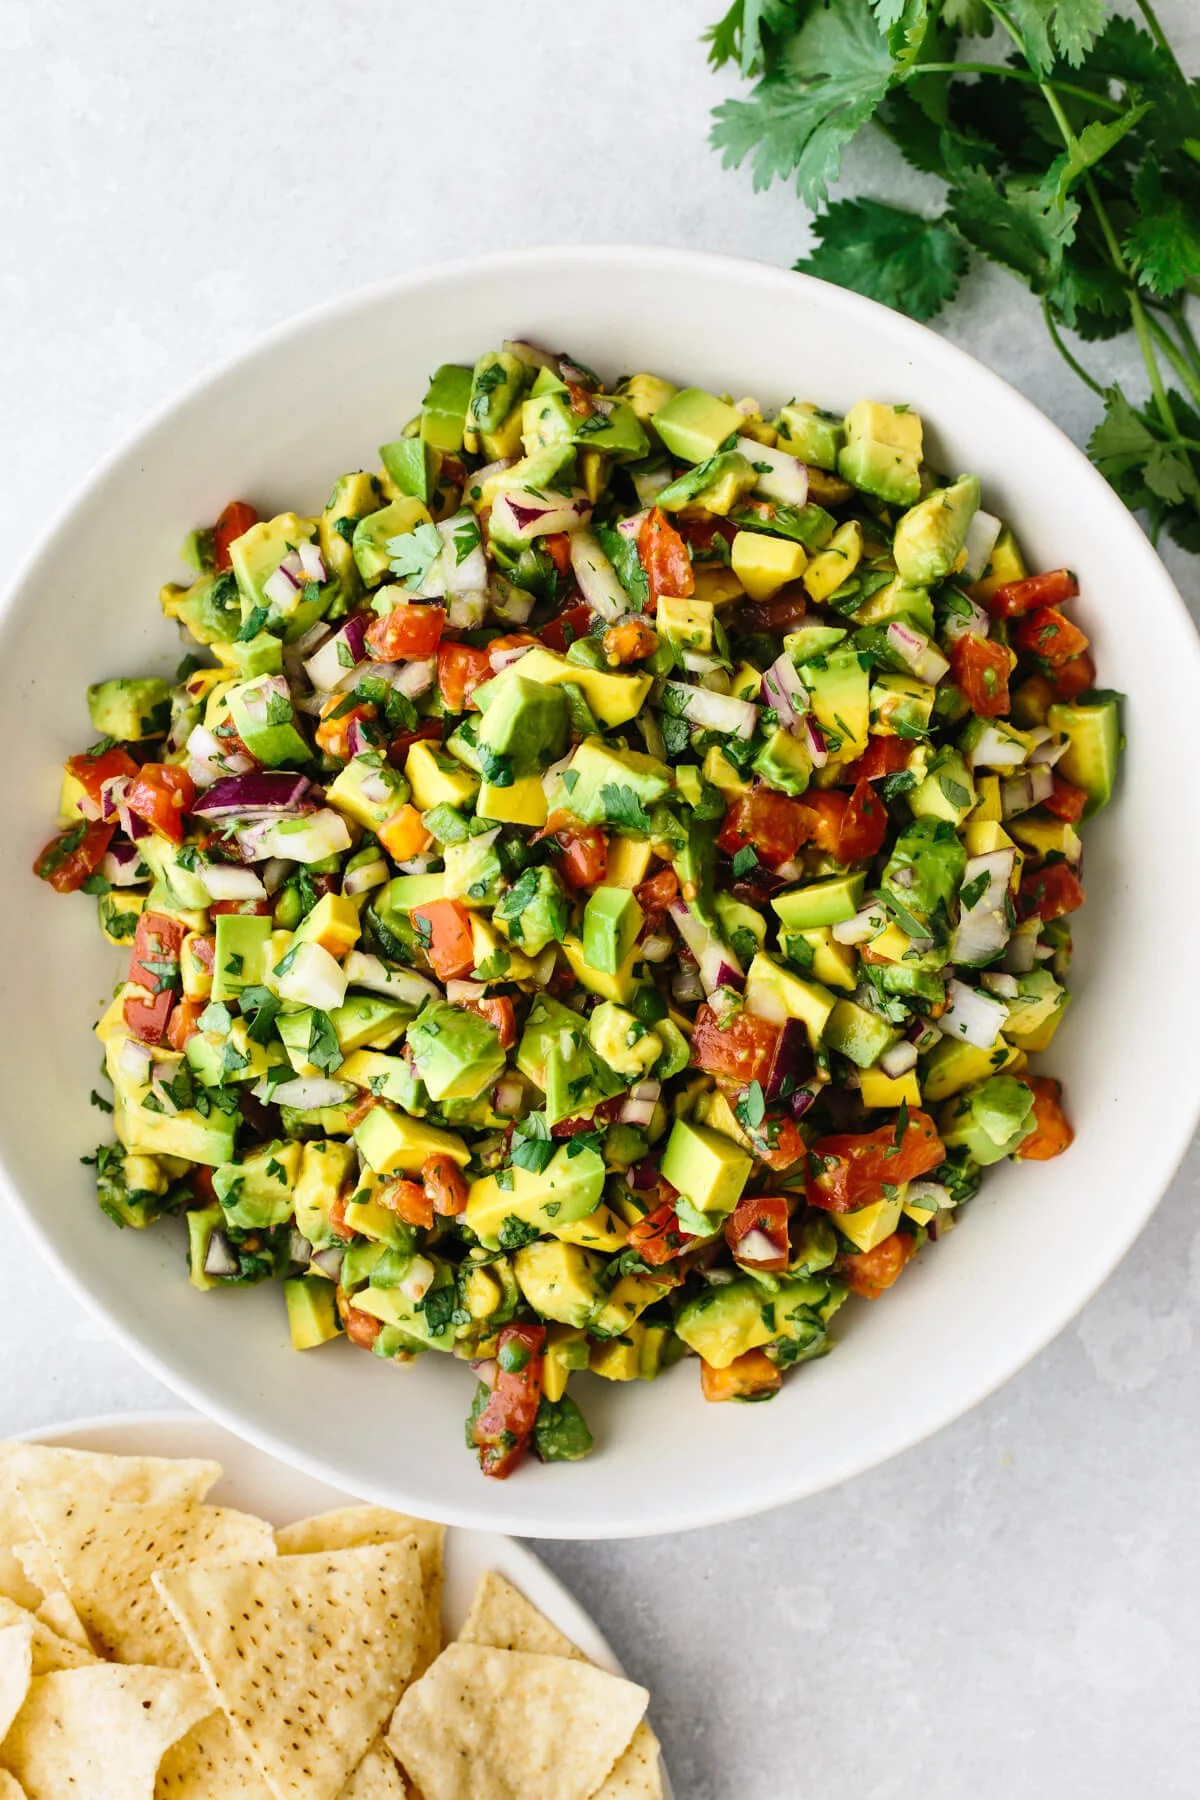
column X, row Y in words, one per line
column 1009, row 1610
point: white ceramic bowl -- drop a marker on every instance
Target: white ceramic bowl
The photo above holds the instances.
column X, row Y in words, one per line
column 276, row 426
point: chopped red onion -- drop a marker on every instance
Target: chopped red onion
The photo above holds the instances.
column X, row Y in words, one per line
column 511, row 653
column 921, row 656
column 799, row 1102
column 134, row 1059
column 312, row 563
column 972, row 1017
column 220, row 1260
column 785, row 478
column 713, row 712
column 974, row 620
column 649, row 480
column 122, row 866
column 486, row 1370
column 638, row 1107
column 523, row 516
column 266, row 791
column 1025, row 791
column 718, row 966
column 783, row 689
column 632, row 526
column 307, row 839
column 643, row 1174
column 508, row 1096
column 281, row 588
column 330, row 1260
column 598, row 582
column 326, row 667
column 814, row 741
column 792, row 1062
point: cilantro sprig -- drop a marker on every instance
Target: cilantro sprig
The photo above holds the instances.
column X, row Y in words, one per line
column 1070, row 156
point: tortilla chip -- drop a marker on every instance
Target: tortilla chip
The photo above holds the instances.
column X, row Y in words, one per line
column 50, row 1652
column 106, row 1551
column 59, row 1616
column 209, row 1764
column 501, row 1616
column 350, row 1527
column 16, row 1671
column 306, row 1654
column 53, row 1606
column 488, row 1724
column 376, row 1777
column 10, row 1787
column 101, row 1732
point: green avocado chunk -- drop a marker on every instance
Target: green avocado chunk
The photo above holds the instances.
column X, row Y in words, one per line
column 457, row 1054
column 130, row 708
column 611, row 922
column 931, row 535
column 693, row 425
column 922, row 876
column 444, row 413
column 534, row 912
column 1092, row 726
column 722, row 1323
column 256, row 1193
column 989, row 1120
column 523, row 729
column 265, row 719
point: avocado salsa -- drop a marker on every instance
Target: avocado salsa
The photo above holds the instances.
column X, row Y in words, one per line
column 594, row 891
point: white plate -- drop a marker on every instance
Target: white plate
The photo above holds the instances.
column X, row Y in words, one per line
column 275, row 426
column 260, row 1484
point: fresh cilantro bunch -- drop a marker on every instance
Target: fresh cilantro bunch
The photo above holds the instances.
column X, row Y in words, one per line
column 1069, row 143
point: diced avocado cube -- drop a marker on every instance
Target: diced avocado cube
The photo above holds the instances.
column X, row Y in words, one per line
column 412, row 467
column 705, row 1167
column 899, row 427
column 821, row 903
column 867, row 1226
column 130, row 708
column 568, row 1188
column 901, row 706
column 456, row 1053
column 783, row 762
column 923, row 874
column 524, row 725
column 688, row 622
column 860, row 1035
column 717, row 484
column 799, row 999
column 647, row 394
column 1092, row 726
column 614, row 698
column 990, row 1120
column 626, row 1302
column 764, row 564
column 325, row 1170
column 438, row 780
column 618, row 986
column 240, row 956
column 368, row 1022
column 352, row 498
column 411, row 1318
column 392, row 1143
column 256, row 1193
column 444, row 412
column 625, row 1045
column 835, row 564
column 474, row 872
column 693, row 424
column 722, row 1323
column 201, row 1224
column 612, row 426
column 374, row 533
column 898, row 601
column 814, row 436
column 119, row 913
column 840, row 692
column 559, row 1281
column 611, row 922
column 312, row 1311
column 947, row 792
column 535, row 910
column 930, row 537
column 265, row 720
column 952, row 1065
column 881, row 470
column 604, row 785
column 497, row 383
column 521, row 802
column 888, row 1091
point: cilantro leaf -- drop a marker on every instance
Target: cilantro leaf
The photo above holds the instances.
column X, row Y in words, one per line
column 623, row 808
column 1017, row 225
column 826, row 84
column 1163, row 242
column 414, row 553
column 888, row 254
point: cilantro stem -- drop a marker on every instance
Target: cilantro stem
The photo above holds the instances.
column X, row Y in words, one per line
column 1066, row 355
column 1157, row 33
column 1141, row 323
column 1007, row 74
column 1175, row 357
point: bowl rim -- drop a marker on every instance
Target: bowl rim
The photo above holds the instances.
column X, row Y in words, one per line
column 1172, row 1137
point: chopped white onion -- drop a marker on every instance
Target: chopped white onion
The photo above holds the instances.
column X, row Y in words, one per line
column 632, row 526
column 305, row 1093
column 508, row 1096
column 983, row 928
column 274, row 873
column 308, row 839
column 929, row 1194
column 415, row 678
column 713, row 712
column 973, row 1017
column 899, row 1059
column 638, row 1107
column 1024, row 791
column 461, row 993
column 465, row 612
column 755, row 1247
column 785, row 477
column 281, row 589
column 995, row 750
column 598, row 582
column 998, row 982
column 365, row 877
column 1048, row 746
column 373, row 973
column 230, row 881
column 512, row 604
column 511, row 653
column 312, row 977
column 982, row 533
column 864, row 925
column 657, row 947
column 312, row 563
column 1021, row 954
column 417, row 1280
column 974, row 620
column 523, row 517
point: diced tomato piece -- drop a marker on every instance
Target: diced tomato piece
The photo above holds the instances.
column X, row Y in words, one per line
column 500, row 1014
column 430, row 731
column 1016, row 598
column 356, row 1113
column 337, row 1219
column 154, row 961
column 409, row 1200
column 1070, row 679
column 561, row 632
column 869, row 1272
column 91, row 772
column 656, row 893
column 777, row 1141
column 337, row 722
column 773, row 823
column 659, row 1237
column 503, row 1428
column 1066, row 801
column 757, row 1232
column 1050, row 636
column 584, row 861
column 445, row 1185
column 773, row 617
column 557, row 546
column 200, row 1179
column 461, row 668
column 147, row 1015
column 848, row 1170
column 700, row 534
column 742, row 1049
column 664, row 557
column 69, row 859
column 629, row 641
column 237, row 518
column 361, row 1327
column 184, row 1022
column 408, row 630
column 1051, row 1133
column 882, row 756
column 981, row 669
column 1050, row 892
column 750, row 1376
column 444, row 928
column 862, row 826
column 162, row 794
